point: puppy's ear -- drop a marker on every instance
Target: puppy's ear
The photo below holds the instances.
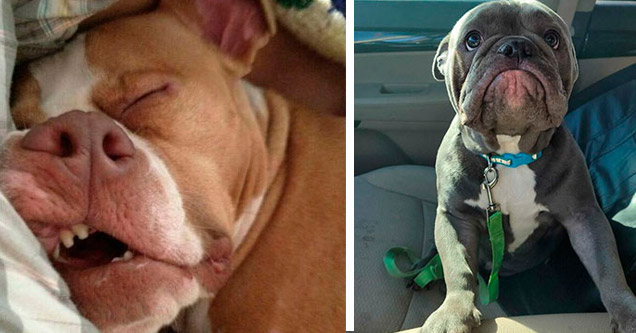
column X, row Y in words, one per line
column 575, row 66
column 439, row 63
column 238, row 27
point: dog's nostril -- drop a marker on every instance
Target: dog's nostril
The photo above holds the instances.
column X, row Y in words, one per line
column 109, row 147
column 506, row 50
column 527, row 51
column 116, row 146
column 66, row 145
column 519, row 49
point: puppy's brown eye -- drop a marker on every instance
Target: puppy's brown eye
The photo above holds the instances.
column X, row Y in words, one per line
column 552, row 38
column 473, row 39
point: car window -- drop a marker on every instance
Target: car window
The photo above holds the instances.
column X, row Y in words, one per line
column 599, row 29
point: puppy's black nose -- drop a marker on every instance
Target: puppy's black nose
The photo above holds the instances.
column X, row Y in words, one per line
column 516, row 48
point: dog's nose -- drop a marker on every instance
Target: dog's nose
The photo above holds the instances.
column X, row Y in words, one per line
column 78, row 132
column 516, row 48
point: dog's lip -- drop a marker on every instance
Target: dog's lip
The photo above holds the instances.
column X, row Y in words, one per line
column 81, row 268
column 132, row 246
column 532, row 73
column 488, row 79
column 78, row 266
column 94, row 250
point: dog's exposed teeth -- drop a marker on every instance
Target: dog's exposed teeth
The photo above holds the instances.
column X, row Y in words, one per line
column 81, row 230
column 125, row 257
column 56, row 252
column 91, row 249
column 66, row 236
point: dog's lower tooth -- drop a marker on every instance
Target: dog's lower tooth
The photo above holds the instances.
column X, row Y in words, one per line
column 128, row 255
column 62, row 260
column 56, row 252
column 66, row 236
column 116, row 259
column 81, row 230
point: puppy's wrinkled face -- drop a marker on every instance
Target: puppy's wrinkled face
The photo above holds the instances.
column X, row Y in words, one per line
column 150, row 174
column 509, row 68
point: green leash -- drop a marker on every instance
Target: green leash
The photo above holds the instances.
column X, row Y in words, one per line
column 488, row 292
column 430, row 272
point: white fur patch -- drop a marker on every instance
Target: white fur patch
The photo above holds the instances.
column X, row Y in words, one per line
column 515, row 195
column 508, row 144
column 257, row 99
column 181, row 234
column 65, row 80
column 245, row 221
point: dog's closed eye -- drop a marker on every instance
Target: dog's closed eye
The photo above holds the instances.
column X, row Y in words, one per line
column 138, row 99
column 130, row 92
column 145, row 89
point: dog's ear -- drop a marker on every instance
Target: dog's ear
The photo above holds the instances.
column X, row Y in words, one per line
column 575, row 66
column 238, row 27
column 439, row 63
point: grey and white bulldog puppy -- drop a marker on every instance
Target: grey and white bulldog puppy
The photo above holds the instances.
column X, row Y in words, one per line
column 509, row 67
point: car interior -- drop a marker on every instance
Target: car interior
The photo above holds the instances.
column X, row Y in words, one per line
column 401, row 114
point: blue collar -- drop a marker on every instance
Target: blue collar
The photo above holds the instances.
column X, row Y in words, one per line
column 512, row 160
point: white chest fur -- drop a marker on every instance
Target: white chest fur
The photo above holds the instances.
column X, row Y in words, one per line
column 515, row 194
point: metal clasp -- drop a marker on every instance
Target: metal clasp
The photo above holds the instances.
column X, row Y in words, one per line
column 491, row 176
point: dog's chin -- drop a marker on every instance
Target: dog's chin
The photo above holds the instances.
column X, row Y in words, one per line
column 136, row 295
column 485, row 142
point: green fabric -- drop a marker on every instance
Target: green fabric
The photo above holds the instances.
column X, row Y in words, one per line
column 423, row 276
column 488, row 292
column 431, row 272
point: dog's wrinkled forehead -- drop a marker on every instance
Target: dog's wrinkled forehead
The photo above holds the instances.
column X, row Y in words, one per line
column 505, row 18
column 496, row 21
column 221, row 36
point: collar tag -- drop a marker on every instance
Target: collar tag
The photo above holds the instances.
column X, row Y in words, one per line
column 512, row 160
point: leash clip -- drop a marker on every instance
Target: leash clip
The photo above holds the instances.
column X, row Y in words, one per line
column 491, row 176
column 490, row 291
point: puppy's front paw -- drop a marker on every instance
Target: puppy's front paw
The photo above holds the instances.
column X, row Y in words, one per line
column 624, row 320
column 457, row 314
column 624, row 326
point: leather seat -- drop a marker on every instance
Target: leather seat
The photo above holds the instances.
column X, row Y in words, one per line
column 394, row 206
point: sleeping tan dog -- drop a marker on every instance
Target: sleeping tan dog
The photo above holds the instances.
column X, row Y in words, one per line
column 157, row 179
